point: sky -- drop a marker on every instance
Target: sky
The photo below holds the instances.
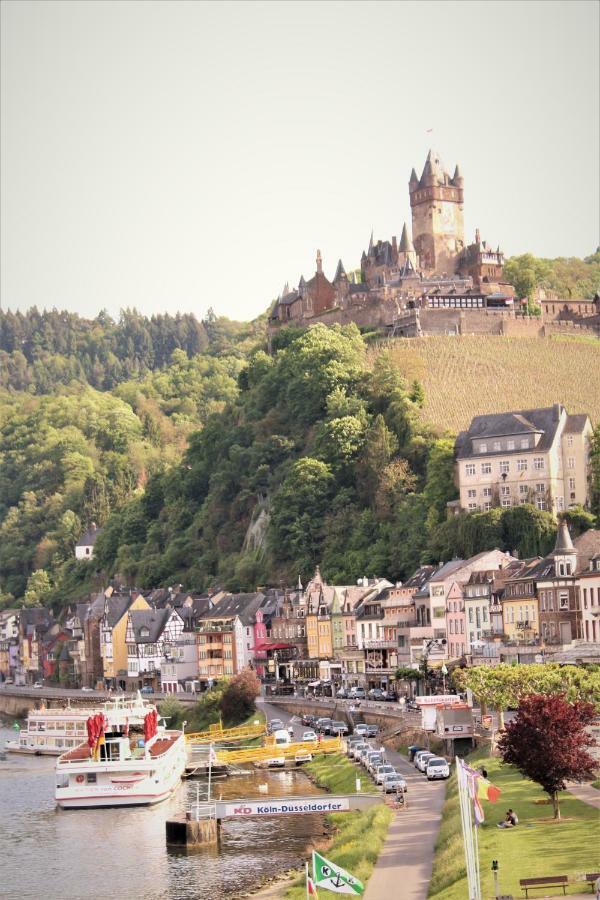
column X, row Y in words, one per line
column 185, row 155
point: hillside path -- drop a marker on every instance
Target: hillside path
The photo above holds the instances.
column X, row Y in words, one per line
column 585, row 792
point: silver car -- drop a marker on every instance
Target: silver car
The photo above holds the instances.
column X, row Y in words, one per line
column 394, row 783
column 381, row 772
column 423, row 760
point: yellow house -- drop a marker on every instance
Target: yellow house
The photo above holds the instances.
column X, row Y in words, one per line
column 312, row 636
column 520, row 618
column 113, row 629
column 324, row 636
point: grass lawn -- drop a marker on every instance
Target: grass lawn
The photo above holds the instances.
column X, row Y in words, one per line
column 535, row 848
column 596, row 784
column 360, row 836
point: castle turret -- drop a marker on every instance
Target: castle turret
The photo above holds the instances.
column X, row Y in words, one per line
column 319, row 263
column 407, row 252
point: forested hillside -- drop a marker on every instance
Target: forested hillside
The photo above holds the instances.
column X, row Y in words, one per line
column 236, row 468
column 70, row 453
column 40, row 352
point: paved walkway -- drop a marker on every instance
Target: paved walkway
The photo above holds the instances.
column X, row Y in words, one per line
column 585, row 792
column 406, row 858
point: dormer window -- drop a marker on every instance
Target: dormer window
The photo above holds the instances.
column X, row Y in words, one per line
column 144, row 632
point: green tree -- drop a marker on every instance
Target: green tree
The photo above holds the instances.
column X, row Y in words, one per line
column 38, row 588
column 299, row 509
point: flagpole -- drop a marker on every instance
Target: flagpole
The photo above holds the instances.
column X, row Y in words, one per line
column 306, row 878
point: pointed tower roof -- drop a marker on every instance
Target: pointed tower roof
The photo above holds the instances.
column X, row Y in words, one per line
column 564, row 544
column 300, row 588
column 340, row 272
column 336, row 603
column 414, row 178
column 371, row 241
column 457, row 174
column 406, row 245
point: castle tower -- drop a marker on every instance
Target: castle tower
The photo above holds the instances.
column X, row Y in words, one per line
column 436, row 202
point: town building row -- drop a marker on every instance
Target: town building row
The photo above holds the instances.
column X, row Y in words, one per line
column 487, row 609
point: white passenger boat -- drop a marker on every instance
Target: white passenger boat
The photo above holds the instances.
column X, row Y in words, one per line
column 132, row 762
column 50, row 732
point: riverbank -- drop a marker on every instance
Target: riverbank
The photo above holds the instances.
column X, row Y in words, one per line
column 522, row 852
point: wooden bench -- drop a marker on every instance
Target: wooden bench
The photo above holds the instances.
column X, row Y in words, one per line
column 528, row 884
column 591, row 878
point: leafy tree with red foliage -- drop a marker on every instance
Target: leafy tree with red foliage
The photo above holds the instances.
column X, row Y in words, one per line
column 547, row 742
column 238, row 697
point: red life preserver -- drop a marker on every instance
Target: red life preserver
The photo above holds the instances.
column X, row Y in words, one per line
column 79, row 779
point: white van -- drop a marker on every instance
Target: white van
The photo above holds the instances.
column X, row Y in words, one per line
column 281, row 739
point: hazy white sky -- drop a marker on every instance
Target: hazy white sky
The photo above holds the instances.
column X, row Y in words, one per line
column 180, row 155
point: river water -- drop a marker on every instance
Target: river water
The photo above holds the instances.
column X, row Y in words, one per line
column 81, row 854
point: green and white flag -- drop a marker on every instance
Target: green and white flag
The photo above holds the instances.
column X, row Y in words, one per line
column 330, row 877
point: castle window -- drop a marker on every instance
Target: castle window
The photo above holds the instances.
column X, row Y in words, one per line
column 538, row 462
column 497, row 445
column 523, row 489
column 483, row 448
column 486, row 468
column 521, row 465
column 504, row 467
column 470, row 469
column 524, row 444
column 510, row 445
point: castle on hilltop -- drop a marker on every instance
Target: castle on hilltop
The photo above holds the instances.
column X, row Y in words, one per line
column 434, row 269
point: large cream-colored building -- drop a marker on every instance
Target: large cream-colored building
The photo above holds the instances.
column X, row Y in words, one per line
column 537, row 456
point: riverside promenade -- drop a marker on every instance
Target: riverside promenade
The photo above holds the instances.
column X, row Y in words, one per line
column 406, row 859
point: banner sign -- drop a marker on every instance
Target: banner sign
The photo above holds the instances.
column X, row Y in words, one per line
column 276, row 807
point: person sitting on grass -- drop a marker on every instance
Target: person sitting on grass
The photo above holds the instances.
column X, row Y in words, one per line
column 511, row 819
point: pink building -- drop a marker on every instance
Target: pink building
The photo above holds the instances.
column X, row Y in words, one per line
column 456, row 623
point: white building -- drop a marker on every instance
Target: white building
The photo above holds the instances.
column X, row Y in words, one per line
column 536, row 456
column 149, row 633
column 84, row 548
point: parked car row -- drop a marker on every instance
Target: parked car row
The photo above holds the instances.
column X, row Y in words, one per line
column 325, row 725
column 374, row 762
column 362, row 729
column 356, row 693
column 431, row 765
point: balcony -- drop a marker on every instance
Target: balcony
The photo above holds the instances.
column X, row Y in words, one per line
column 421, row 633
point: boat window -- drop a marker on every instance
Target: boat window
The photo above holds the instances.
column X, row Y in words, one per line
column 91, row 778
column 62, row 781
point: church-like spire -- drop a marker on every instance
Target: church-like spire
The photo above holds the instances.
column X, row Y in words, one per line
column 564, row 544
column 319, row 263
column 340, row 272
column 414, row 178
column 406, row 245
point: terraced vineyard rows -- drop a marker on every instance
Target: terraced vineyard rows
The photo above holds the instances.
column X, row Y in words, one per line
column 470, row 375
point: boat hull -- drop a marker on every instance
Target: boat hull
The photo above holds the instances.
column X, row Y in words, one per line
column 94, row 802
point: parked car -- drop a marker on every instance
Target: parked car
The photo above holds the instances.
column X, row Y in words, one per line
column 374, row 760
column 357, row 693
column 338, row 727
column 351, row 742
column 362, row 753
column 375, row 694
column 437, row 767
column 342, row 694
column 381, row 771
column 372, row 730
column 412, row 750
column 394, row 783
column 323, row 724
column 276, row 761
column 356, row 749
column 145, row 690
column 300, row 758
column 275, row 725
column 39, row 684
column 362, row 729
column 309, row 735
column 308, row 720
column 423, row 758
